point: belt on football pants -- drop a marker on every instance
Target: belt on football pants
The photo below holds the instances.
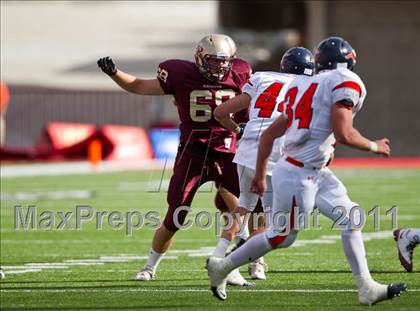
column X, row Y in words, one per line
column 301, row 164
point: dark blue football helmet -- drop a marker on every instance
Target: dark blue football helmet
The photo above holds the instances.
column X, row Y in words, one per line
column 334, row 51
column 298, row 60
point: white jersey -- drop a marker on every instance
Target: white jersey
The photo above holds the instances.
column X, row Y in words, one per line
column 309, row 137
column 267, row 90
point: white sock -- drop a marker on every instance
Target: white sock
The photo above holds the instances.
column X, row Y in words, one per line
column 244, row 234
column 354, row 249
column 413, row 235
column 221, row 248
column 254, row 248
column 154, row 259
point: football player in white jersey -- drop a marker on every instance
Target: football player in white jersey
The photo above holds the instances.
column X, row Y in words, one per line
column 319, row 112
column 262, row 94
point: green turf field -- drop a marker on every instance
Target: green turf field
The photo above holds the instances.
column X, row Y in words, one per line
column 90, row 269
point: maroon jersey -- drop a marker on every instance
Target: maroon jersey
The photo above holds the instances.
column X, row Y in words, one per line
column 197, row 97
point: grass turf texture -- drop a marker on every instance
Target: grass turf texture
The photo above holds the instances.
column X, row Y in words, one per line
column 306, row 277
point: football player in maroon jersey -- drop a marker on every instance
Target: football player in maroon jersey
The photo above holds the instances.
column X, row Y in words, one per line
column 206, row 148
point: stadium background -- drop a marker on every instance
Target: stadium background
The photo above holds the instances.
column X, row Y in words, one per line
column 49, row 52
column 48, row 59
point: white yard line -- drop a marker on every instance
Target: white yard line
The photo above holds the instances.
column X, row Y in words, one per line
column 77, row 168
column 84, row 167
column 173, row 254
column 20, row 271
column 50, row 195
column 181, row 290
column 75, row 241
column 66, row 264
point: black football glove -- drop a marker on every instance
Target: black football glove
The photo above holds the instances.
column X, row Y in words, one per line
column 107, row 65
column 241, row 130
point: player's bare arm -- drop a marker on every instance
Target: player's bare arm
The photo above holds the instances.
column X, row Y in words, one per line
column 222, row 112
column 136, row 85
column 346, row 134
column 129, row 82
column 275, row 130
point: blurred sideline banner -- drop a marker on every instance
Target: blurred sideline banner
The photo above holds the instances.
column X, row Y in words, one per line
column 165, row 142
column 70, row 141
column 61, row 135
column 129, row 142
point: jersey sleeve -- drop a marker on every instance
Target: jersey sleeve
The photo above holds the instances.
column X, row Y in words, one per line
column 167, row 74
column 251, row 86
column 241, row 72
column 347, row 90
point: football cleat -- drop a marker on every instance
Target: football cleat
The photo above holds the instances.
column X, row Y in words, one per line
column 219, row 291
column 217, row 278
column 257, row 269
column 373, row 292
column 236, row 278
column 395, row 290
column 146, row 274
column 405, row 249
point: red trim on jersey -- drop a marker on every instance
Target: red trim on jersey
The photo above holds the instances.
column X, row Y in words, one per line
column 349, row 84
column 278, row 239
column 295, row 162
column 343, row 106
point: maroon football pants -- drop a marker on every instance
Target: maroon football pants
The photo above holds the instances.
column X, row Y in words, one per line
column 194, row 166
